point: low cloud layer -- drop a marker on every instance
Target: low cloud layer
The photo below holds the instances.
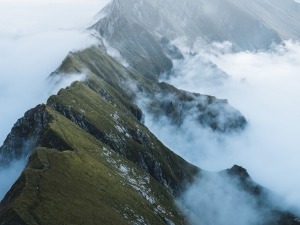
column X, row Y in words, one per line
column 218, row 199
column 35, row 36
column 264, row 86
column 9, row 175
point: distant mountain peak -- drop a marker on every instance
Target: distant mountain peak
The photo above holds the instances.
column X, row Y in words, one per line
column 248, row 25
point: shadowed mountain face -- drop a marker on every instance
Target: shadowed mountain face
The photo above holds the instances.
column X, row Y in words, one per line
column 91, row 160
column 249, row 25
column 139, row 30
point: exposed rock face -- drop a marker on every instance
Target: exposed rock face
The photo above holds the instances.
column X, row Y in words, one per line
column 121, row 131
column 136, row 44
column 208, row 21
column 159, row 99
column 207, row 111
column 95, row 164
column 23, row 138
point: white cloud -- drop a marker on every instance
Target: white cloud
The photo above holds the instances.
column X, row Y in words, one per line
column 9, row 176
column 35, row 36
column 218, row 199
column 264, row 86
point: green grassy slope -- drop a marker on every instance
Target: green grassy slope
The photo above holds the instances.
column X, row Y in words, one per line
column 120, row 130
column 91, row 159
column 84, row 182
column 161, row 99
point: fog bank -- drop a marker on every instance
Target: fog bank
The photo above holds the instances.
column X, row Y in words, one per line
column 35, row 36
column 264, row 86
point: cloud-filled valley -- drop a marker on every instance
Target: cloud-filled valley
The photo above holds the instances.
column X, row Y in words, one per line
column 264, row 86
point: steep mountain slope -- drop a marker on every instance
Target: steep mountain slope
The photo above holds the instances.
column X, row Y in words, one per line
column 248, row 25
column 89, row 141
column 90, row 158
column 161, row 99
column 280, row 15
column 111, row 81
column 72, row 178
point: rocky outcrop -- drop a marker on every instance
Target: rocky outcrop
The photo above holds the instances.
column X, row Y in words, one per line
column 23, row 138
column 207, row 111
column 95, row 156
column 158, row 98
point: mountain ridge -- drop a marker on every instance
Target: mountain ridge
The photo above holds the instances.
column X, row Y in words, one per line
column 90, row 125
column 92, row 160
column 194, row 20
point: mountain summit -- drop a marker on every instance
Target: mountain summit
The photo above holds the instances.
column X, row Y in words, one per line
column 248, row 25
